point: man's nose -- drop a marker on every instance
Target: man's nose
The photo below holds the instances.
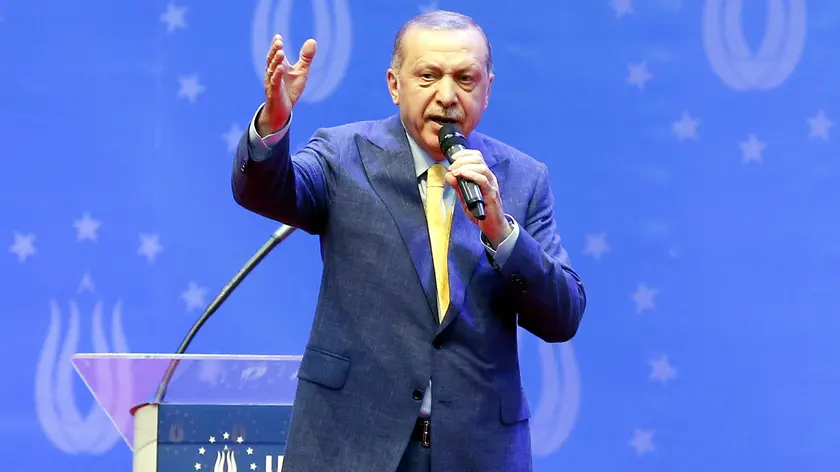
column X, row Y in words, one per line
column 446, row 92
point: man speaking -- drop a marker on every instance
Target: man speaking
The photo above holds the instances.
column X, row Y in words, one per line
column 412, row 361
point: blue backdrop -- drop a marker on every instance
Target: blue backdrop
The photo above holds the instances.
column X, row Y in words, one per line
column 693, row 155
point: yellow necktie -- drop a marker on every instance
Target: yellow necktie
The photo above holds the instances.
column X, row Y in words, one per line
column 439, row 220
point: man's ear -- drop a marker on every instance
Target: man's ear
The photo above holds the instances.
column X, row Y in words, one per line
column 489, row 86
column 393, row 86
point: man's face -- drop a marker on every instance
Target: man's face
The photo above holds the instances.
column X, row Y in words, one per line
column 443, row 76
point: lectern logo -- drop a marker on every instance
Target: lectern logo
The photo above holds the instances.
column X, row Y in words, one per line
column 730, row 55
column 226, row 447
column 333, row 31
column 55, row 405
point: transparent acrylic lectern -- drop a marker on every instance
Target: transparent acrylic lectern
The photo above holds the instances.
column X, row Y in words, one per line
column 219, row 412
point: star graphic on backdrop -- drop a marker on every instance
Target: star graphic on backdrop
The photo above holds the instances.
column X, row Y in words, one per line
column 638, row 74
column 622, row 7
column 193, row 296
column 686, row 127
column 212, row 439
column 231, row 137
column 596, row 245
column 173, row 17
column 642, row 441
column 661, row 370
column 87, row 228
column 190, row 87
column 23, row 246
column 201, row 450
column 86, row 285
column 428, row 7
column 752, row 149
column 820, row 126
column 250, row 451
column 149, row 246
column 644, row 298
column 253, row 466
column 226, row 435
column 197, row 466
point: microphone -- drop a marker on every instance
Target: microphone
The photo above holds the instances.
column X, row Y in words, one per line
column 276, row 238
column 452, row 141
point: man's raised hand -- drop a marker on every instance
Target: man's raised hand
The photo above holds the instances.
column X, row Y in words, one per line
column 283, row 83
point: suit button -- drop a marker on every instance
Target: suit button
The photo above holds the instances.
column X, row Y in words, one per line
column 519, row 281
column 417, row 394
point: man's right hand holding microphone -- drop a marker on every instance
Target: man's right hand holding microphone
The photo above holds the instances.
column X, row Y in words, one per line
column 284, row 84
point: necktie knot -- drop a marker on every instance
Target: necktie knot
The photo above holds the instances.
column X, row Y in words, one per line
column 434, row 177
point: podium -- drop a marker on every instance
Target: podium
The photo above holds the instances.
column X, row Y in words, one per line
column 221, row 413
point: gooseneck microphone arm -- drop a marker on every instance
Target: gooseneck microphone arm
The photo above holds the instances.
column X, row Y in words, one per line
column 276, row 238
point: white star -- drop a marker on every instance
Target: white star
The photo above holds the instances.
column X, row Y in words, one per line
column 193, row 296
column 226, row 435
column 190, row 88
column 86, row 228
column 86, row 284
column 642, row 441
column 622, row 7
column 661, row 369
column 197, row 466
column 596, row 245
column 231, row 137
column 201, row 451
column 644, row 298
column 686, row 127
column 429, row 7
column 173, row 17
column 638, row 75
column 212, row 439
column 253, row 466
column 149, row 246
column 239, row 439
column 751, row 149
column 249, row 451
column 23, row 246
column 820, row 126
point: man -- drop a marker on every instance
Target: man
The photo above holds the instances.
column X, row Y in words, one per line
column 412, row 363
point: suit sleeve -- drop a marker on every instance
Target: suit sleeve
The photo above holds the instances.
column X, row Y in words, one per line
column 548, row 295
column 293, row 189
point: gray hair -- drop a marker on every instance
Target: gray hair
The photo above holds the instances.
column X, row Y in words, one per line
column 438, row 20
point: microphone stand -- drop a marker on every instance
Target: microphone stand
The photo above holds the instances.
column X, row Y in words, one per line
column 276, row 238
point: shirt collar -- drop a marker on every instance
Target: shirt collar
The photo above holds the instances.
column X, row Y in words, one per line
column 422, row 160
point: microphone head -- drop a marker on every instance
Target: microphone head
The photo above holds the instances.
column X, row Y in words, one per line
column 450, row 135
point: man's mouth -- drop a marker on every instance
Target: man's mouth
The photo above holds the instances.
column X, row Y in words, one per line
column 441, row 120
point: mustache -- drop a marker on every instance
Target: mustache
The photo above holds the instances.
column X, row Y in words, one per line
column 451, row 114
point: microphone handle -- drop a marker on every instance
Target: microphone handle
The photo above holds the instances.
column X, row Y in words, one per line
column 276, row 238
column 469, row 189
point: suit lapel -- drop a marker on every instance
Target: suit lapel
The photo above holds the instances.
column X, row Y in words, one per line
column 388, row 163
column 387, row 160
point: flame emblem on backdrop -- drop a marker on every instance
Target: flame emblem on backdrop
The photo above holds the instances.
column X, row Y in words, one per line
column 55, row 404
column 729, row 53
column 559, row 397
column 333, row 32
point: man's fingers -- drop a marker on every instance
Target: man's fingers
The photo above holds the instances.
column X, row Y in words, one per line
column 475, row 176
column 307, row 54
column 276, row 44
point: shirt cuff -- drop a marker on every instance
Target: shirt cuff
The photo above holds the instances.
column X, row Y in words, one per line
column 263, row 144
column 501, row 253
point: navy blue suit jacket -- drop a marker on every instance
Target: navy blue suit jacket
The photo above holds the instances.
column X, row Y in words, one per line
column 376, row 340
